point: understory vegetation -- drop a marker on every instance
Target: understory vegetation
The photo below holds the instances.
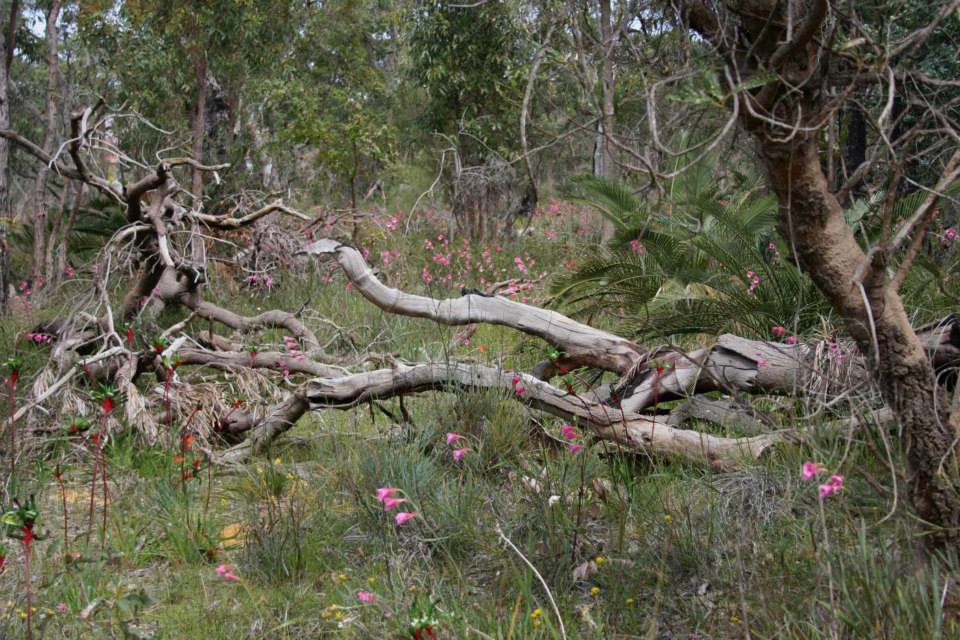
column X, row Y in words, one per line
column 496, row 319
column 623, row 545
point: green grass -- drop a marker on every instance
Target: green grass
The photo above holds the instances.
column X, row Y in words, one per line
column 629, row 547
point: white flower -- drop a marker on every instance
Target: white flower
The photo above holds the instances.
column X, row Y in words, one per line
column 552, row 500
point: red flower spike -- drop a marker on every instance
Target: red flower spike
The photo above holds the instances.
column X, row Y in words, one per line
column 130, row 336
column 107, row 405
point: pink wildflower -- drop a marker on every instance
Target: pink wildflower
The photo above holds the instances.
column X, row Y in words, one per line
column 761, row 362
column 778, row 331
column 385, row 492
column 226, row 573
column 459, row 453
column 637, row 247
column 568, row 432
column 404, row 517
column 389, row 503
column 833, row 485
column 754, row 281
column 791, row 340
column 950, row 234
column 811, row 469
column 774, row 252
column 519, row 262
column 575, row 448
column 453, row 437
column 425, row 274
column 62, row 607
column 365, row 596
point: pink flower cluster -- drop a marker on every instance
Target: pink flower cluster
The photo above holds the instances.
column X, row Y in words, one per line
column 293, row 347
column 517, row 383
column 459, row 452
column 225, row 572
column 834, row 483
column 637, row 247
column 950, row 235
column 570, row 433
column 259, row 281
column 385, row 495
column 39, row 338
column 774, row 252
column 754, row 280
column 68, row 272
column 779, row 332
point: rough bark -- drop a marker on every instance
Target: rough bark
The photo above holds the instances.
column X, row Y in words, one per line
column 784, row 118
column 7, row 29
column 49, row 139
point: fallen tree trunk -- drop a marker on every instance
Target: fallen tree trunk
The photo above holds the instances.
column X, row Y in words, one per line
column 734, row 365
column 649, row 434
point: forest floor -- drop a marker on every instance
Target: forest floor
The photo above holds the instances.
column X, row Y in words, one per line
column 520, row 538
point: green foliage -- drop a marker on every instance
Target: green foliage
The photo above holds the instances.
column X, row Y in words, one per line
column 467, row 59
column 681, row 266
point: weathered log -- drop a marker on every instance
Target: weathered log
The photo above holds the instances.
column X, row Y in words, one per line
column 649, row 434
column 581, row 344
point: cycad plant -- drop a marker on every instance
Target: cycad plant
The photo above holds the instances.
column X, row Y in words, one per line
column 704, row 260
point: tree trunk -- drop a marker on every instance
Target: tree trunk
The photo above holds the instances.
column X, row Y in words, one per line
column 199, row 124
column 6, row 46
column 855, row 146
column 66, row 230
column 812, row 220
column 49, row 139
column 604, row 163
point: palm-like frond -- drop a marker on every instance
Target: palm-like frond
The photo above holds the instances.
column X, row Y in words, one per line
column 692, row 276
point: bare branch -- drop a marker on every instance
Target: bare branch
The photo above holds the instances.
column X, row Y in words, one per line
column 581, row 343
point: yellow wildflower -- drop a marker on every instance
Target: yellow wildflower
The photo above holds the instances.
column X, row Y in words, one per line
column 536, row 613
column 600, row 560
column 594, row 591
